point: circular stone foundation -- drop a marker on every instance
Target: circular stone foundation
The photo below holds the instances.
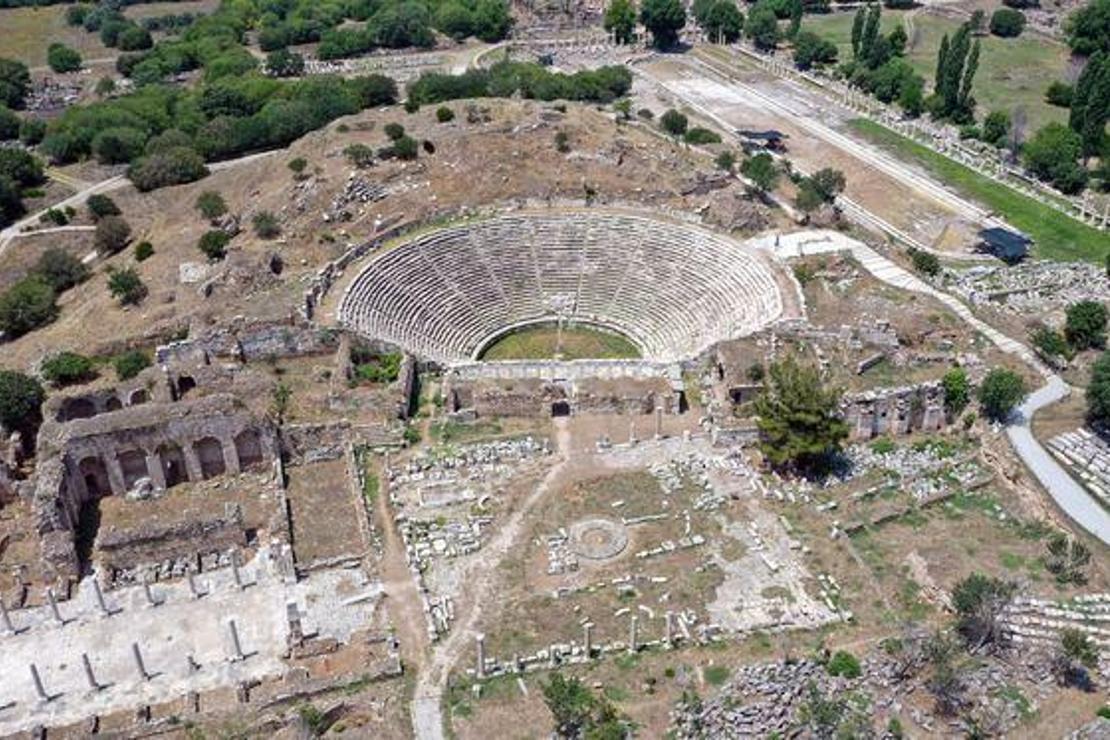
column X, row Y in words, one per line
column 598, row 539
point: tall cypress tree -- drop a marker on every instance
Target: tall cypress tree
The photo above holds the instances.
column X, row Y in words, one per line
column 942, row 61
column 964, row 104
column 1090, row 105
column 857, row 31
column 870, row 31
column 954, row 70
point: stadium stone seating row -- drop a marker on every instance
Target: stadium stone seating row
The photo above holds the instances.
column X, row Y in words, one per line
column 673, row 288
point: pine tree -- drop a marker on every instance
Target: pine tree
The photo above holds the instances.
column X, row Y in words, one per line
column 857, row 31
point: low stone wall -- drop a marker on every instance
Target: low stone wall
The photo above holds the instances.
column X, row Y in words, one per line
column 246, row 342
column 894, row 411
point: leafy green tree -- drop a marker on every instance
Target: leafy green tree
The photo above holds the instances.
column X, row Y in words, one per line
column 798, row 419
column 1059, row 94
column 126, row 286
column 1007, row 22
column 762, row 26
column 455, row 20
column 31, row 131
column 674, row 123
column 578, row 713
column 100, row 205
column 284, row 63
column 725, row 22
column 663, row 19
column 11, row 201
column 1098, row 392
column 996, row 127
column 131, row 363
column 492, row 20
column 1052, row 154
column 761, row 170
column 111, row 235
column 957, row 390
column 213, row 244
column 1066, row 559
column 60, row 269
column 9, row 124
column 1000, row 393
column 620, row 20
column 811, row 50
column 62, row 58
column 1085, row 325
column 1088, row 29
column 911, row 97
column 27, row 305
column 15, row 83
column 979, row 601
column 21, row 400
column 171, row 167
column 211, row 205
column 67, row 368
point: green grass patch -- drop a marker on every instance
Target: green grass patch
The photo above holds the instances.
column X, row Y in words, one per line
column 715, row 675
column 1056, row 235
column 570, row 342
column 1011, row 560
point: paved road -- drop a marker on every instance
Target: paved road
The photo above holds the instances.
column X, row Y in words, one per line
column 1072, row 498
column 1075, row 501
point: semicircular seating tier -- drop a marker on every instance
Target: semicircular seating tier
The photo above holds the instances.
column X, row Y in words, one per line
column 674, row 289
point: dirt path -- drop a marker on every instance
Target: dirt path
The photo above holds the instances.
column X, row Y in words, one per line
column 402, row 599
column 427, row 705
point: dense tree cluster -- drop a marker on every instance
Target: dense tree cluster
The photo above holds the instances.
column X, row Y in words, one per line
column 878, row 66
column 957, row 62
column 1088, row 29
column 32, row 301
column 18, row 171
column 505, row 79
column 168, row 134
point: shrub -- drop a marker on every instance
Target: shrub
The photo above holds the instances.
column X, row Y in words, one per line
column 715, row 675
column 1098, row 392
column 394, row 131
column 359, row 155
column 297, row 166
column 444, row 114
column 404, row 148
column 31, row 131
column 1050, row 343
column 211, row 205
column 674, row 123
column 1059, row 94
column 126, row 286
column 214, row 244
column 26, row 306
column 562, row 141
column 143, row 251
column 62, row 59
column 60, row 270
column 100, row 206
column 21, row 400
column 67, row 368
column 1007, row 22
column 924, row 262
column 171, row 167
column 111, row 235
column 266, row 225
column 645, row 114
column 844, row 664
column 9, row 124
column 957, row 390
column 53, row 215
column 699, row 135
column 131, row 363
column 725, row 161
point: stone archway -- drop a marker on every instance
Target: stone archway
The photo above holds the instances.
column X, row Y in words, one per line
column 78, row 408
column 95, row 475
column 138, row 397
column 248, row 447
column 132, row 464
column 174, row 469
column 210, row 454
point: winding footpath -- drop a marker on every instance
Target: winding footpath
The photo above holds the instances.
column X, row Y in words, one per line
column 1071, row 497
